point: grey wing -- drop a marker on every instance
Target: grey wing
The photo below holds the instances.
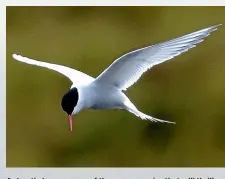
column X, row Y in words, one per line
column 77, row 77
column 127, row 69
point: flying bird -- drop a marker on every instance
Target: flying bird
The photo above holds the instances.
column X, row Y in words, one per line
column 107, row 90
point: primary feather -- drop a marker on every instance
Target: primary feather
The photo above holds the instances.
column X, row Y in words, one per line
column 78, row 78
column 127, row 69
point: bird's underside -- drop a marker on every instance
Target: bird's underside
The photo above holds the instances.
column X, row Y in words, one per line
column 109, row 97
column 127, row 69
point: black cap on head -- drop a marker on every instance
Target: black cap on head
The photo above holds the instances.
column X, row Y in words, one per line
column 69, row 100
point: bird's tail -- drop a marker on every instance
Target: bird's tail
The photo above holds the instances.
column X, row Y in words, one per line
column 147, row 117
column 129, row 106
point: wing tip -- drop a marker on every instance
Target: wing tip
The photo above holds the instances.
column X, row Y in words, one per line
column 217, row 25
column 16, row 57
column 20, row 58
column 214, row 27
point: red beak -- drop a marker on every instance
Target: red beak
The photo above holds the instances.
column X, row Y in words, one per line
column 71, row 122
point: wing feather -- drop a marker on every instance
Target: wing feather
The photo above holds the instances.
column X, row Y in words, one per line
column 78, row 78
column 127, row 69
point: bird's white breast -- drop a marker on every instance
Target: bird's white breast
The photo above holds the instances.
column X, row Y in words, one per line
column 98, row 96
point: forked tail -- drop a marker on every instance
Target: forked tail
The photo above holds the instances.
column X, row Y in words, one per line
column 129, row 106
column 147, row 117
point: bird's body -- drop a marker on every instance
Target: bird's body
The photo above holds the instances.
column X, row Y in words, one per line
column 100, row 96
column 103, row 96
column 106, row 91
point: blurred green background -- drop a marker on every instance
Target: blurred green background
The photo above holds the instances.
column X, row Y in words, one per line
column 189, row 89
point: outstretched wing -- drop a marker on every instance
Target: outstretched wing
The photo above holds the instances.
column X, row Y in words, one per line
column 77, row 77
column 127, row 69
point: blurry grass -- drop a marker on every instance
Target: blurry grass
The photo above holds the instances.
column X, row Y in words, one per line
column 188, row 90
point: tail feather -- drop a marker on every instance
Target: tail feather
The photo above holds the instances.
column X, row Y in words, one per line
column 147, row 117
column 129, row 106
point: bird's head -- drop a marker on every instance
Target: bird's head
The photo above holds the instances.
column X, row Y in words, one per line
column 69, row 102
